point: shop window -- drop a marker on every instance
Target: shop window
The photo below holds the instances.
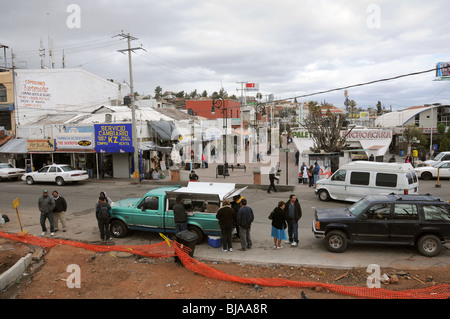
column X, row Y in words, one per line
column 3, row 97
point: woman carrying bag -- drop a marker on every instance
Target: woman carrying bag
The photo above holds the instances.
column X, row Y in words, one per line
column 278, row 225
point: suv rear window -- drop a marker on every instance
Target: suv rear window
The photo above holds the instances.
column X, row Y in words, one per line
column 405, row 212
column 387, row 180
column 360, row 178
column 436, row 213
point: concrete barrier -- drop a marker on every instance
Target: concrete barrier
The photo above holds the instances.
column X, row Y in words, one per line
column 11, row 275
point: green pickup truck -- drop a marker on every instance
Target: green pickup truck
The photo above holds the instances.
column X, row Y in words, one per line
column 153, row 211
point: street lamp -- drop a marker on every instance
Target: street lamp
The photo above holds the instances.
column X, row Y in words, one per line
column 219, row 103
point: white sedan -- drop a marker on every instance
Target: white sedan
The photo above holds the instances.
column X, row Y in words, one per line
column 8, row 171
column 429, row 172
column 59, row 173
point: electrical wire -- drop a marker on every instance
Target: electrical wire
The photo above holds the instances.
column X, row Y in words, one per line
column 362, row 84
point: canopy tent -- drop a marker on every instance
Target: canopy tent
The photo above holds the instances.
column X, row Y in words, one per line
column 163, row 129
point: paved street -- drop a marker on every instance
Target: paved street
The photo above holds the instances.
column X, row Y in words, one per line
column 82, row 224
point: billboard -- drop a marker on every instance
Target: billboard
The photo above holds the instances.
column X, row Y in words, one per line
column 74, row 141
column 113, row 138
column 443, row 70
column 252, row 86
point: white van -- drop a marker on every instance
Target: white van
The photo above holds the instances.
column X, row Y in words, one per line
column 355, row 180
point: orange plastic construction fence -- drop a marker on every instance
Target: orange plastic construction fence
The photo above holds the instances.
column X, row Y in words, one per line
column 182, row 252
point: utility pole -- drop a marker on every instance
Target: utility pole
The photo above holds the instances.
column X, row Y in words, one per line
column 133, row 109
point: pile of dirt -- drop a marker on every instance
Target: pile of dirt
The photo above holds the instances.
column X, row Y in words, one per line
column 113, row 275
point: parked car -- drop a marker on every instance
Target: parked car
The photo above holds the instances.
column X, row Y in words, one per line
column 429, row 172
column 442, row 156
column 8, row 171
column 59, row 173
column 153, row 211
column 355, row 180
column 420, row 220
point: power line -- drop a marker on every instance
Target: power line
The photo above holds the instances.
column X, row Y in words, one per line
column 363, row 84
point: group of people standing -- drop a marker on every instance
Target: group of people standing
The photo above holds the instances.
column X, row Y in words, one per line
column 235, row 215
column 310, row 173
column 286, row 215
column 53, row 208
column 240, row 216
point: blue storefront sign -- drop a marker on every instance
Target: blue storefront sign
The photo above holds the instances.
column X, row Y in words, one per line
column 113, row 138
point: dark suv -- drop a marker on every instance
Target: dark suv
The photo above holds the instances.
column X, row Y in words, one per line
column 421, row 220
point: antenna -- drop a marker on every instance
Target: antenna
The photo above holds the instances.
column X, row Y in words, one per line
column 63, row 60
column 42, row 54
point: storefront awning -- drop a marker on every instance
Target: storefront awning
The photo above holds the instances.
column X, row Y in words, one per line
column 152, row 146
column 15, row 146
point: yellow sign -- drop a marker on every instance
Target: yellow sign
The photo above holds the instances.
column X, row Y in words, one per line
column 16, row 203
column 415, row 153
column 41, row 145
column 135, row 174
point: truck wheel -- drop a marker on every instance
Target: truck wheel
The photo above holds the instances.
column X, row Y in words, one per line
column 198, row 232
column 118, row 228
column 336, row 241
column 429, row 245
column 324, row 196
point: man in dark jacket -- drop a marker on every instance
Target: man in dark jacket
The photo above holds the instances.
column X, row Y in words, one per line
column 226, row 216
column 244, row 219
column 59, row 212
column 293, row 213
column 272, row 178
column 46, row 205
column 103, row 214
column 179, row 216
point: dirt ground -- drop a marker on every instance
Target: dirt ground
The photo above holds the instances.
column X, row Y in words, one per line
column 112, row 275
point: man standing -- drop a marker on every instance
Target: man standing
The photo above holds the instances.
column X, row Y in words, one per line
column 316, row 172
column 293, row 211
column 59, row 212
column 244, row 220
column 179, row 216
column 103, row 214
column 46, row 205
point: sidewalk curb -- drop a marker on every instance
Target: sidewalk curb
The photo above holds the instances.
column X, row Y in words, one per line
column 11, row 275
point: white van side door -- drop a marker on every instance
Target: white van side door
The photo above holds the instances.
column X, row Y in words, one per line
column 358, row 185
column 337, row 185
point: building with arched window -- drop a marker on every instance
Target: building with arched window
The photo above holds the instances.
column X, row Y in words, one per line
column 7, row 101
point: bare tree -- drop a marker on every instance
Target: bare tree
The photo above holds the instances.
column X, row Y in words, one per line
column 326, row 131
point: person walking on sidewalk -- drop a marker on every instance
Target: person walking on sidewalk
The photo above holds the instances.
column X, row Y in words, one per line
column 46, row 205
column 244, row 220
column 293, row 213
column 59, row 212
column 278, row 225
column 226, row 217
column 272, row 179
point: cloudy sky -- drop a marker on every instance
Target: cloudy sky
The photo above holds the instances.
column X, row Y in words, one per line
column 290, row 47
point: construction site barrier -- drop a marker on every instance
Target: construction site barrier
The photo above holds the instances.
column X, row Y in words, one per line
column 172, row 248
